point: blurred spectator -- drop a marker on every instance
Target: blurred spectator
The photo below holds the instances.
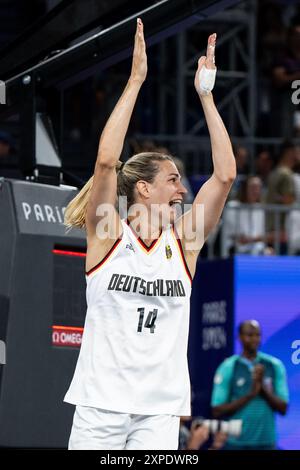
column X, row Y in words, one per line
column 293, row 232
column 281, row 191
column 242, row 165
column 241, row 156
column 271, row 31
column 193, row 436
column 251, row 387
column 184, row 432
column 297, row 175
column 293, row 219
column 281, row 185
column 219, row 441
column 5, row 146
column 244, row 227
column 8, row 159
column 264, row 165
column 286, row 69
column 147, row 146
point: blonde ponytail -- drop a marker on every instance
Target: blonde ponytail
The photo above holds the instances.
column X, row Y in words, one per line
column 76, row 209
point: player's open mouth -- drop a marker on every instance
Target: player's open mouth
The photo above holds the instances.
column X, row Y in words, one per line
column 175, row 201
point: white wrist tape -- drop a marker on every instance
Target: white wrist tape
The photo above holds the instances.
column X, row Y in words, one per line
column 207, row 78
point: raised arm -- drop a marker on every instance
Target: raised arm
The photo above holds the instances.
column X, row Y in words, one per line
column 104, row 189
column 214, row 192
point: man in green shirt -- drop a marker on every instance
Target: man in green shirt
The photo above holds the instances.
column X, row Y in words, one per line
column 250, row 387
column 281, row 191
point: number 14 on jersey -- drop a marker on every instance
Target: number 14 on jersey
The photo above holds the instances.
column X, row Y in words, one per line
column 150, row 320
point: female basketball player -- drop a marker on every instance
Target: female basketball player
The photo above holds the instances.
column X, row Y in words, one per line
column 131, row 381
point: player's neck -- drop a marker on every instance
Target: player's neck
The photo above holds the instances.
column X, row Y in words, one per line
column 145, row 229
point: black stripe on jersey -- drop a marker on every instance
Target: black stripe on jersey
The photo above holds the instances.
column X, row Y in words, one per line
column 105, row 257
column 182, row 253
column 147, row 248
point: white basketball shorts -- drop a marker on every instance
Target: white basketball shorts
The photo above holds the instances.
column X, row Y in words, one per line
column 97, row 429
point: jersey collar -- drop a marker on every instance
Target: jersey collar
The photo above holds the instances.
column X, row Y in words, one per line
column 143, row 245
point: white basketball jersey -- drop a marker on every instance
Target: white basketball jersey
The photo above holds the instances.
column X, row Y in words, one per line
column 133, row 356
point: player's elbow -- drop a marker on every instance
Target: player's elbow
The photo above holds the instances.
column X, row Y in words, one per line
column 104, row 166
column 231, row 174
column 227, row 177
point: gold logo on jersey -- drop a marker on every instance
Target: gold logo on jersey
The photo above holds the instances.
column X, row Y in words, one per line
column 168, row 252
